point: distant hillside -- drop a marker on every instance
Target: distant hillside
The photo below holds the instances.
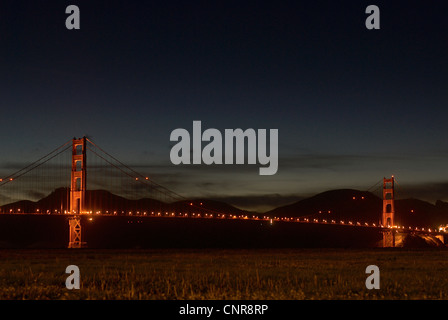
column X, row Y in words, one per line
column 343, row 204
column 106, row 202
column 414, row 212
column 124, row 231
column 212, row 205
column 355, row 205
column 335, row 204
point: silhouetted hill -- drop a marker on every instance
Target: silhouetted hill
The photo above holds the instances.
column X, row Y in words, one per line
column 414, row 212
column 335, row 204
column 124, row 231
column 212, row 206
column 344, row 204
column 441, row 205
column 107, row 202
column 362, row 206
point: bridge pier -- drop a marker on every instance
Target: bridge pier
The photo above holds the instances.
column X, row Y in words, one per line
column 75, row 233
column 388, row 239
column 441, row 237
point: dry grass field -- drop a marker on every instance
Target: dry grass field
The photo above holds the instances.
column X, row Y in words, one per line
column 280, row 274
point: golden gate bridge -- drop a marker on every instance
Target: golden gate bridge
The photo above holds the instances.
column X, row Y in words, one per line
column 65, row 169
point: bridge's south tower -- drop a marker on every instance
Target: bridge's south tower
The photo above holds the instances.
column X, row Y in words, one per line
column 77, row 191
column 388, row 202
column 388, row 212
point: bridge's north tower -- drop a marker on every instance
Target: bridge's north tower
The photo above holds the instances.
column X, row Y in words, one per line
column 388, row 202
column 77, row 191
column 388, row 212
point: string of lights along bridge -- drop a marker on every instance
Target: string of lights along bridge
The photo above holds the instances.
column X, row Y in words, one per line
column 56, row 184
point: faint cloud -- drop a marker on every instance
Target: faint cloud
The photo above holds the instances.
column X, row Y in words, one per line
column 332, row 161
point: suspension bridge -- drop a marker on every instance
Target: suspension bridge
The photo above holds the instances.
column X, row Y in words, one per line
column 63, row 173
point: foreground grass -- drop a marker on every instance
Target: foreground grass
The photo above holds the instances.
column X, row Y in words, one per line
column 223, row 274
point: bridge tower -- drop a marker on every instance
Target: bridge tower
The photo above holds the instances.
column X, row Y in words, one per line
column 388, row 212
column 77, row 191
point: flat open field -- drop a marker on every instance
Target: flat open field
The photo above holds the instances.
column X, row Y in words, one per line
column 286, row 274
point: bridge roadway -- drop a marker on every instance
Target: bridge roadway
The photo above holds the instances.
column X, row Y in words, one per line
column 91, row 215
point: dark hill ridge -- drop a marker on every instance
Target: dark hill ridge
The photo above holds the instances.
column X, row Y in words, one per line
column 336, row 204
column 124, row 231
column 343, row 204
column 362, row 206
column 212, row 206
column 107, row 202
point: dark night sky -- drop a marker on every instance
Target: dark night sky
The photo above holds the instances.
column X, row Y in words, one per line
column 351, row 105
